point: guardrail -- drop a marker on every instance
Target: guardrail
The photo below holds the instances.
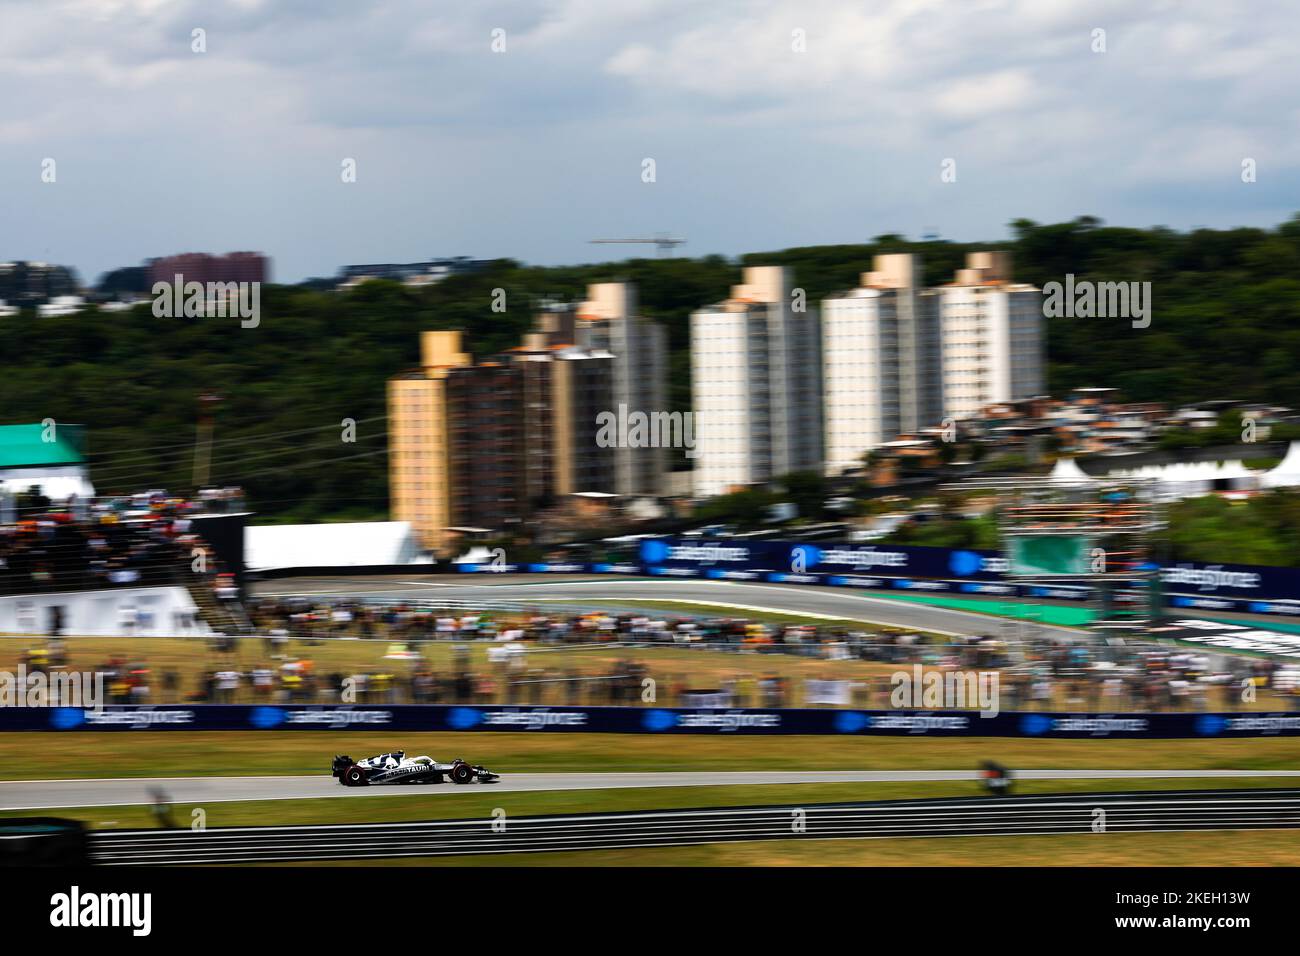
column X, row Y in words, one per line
column 988, row 816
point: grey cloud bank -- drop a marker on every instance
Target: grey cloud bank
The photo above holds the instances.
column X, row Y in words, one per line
column 532, row 151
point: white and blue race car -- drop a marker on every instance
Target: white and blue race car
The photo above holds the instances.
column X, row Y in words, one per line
column 396, row 767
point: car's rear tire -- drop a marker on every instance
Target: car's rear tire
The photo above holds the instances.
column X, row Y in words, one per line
column 462, row 773
column 354, row 776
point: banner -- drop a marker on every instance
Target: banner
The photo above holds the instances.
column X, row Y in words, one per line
column 726, row 555
column 646, row 720
column 1219, row 586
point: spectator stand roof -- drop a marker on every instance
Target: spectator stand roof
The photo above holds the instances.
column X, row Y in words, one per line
column 31, row 446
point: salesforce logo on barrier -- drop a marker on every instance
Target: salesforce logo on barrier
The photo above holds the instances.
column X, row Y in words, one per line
column 658, row 720
column 264, row 718
column 654, row 551
column 803, row 557
column 965, row 563
column 1035, row 724
column 1210, row 725
column 464, row 718
column 65, row 718
column 850, row 722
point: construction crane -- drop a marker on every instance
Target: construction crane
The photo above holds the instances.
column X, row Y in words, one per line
column 663, row 244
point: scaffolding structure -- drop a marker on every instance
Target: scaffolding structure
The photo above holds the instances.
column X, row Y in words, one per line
column 1102, row 534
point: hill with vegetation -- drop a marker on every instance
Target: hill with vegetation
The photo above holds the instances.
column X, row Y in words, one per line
column 1226, row 325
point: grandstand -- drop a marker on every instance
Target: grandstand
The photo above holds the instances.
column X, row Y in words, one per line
column 73, row 562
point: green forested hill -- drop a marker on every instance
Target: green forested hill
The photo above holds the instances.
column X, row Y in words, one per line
column 1226, row 324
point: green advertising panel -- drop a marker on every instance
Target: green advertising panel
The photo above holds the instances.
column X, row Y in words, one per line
column 1051, row 554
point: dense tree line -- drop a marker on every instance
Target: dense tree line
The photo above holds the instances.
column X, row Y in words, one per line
column 1226, row 325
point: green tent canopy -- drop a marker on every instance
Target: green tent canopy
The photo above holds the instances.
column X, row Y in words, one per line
column 25, row 446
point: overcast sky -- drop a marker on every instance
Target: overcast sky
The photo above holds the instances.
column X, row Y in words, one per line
column 530, row 152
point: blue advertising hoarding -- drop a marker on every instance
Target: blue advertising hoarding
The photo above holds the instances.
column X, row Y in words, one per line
column 1247, row 589
column 1271, row 590
column 433, row 718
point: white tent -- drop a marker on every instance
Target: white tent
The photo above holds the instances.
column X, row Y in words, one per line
column 57, row 488
column 1185, row 479
column 1182, row 479
column 1287, row 472
column 57, row 482
column 345, row 544
column 1067, row 469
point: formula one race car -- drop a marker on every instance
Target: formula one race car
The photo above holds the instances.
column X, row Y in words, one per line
column 396, row 767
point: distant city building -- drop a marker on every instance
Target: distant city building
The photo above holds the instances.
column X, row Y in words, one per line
column 204, row 268
column 483, row 448
column 488, row 448
column 581, row 387
column 992, row 335
column 756, row 381
column 608, row 322
column 419, row 450
column 410, row 273
column 861, row 384
column 61, row 305
column 26, row 284
column 920, row 398
column 899, row 359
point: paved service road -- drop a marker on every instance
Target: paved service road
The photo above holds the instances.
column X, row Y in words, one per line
column 49, row 794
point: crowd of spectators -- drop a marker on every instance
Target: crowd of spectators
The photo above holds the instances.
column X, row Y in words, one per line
column 105, row 542
column 545, row 658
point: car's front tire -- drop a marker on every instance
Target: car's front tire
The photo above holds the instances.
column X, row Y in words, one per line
column 462, row 773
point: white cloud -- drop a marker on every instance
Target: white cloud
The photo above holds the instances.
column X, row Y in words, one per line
column 495, row 144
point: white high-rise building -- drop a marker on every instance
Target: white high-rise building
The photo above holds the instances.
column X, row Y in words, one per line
column 880, row 344
column 992, row 337
column 608, row 322
column 860, row 372
column 920, row 399
column 756, row 382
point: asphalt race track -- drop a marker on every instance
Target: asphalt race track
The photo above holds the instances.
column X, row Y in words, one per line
column 1097, row 814
column 731, row 597
column 50, row 794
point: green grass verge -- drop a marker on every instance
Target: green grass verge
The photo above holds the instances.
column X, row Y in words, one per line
column 1217, row 849
column 1015, row 610
column 445, row 804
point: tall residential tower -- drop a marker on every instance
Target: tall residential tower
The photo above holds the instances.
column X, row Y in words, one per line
column 756, row 379
column 608, row 323
column 992, row 338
